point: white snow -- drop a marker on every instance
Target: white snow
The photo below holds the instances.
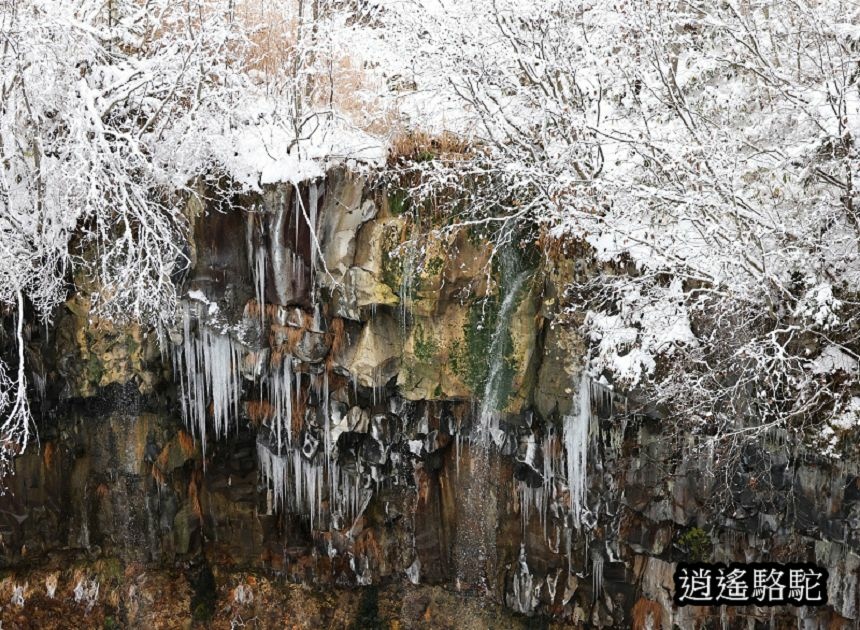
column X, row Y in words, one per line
column 833, row 358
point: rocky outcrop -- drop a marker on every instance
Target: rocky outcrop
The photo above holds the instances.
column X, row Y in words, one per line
column 392, row 418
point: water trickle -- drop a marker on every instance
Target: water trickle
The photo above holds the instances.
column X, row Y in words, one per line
column 476, row 540
column 490, row 401
column 407, row 259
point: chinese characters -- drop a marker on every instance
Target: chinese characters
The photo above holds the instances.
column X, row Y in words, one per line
column 761, row 584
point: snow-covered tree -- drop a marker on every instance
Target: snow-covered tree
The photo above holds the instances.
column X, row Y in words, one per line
column 705, row 150
column 109, row 110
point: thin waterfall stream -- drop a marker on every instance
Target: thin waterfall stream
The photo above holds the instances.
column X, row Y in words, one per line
column 476, row 544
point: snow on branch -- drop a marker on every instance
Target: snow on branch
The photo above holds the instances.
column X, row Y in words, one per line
column 705, row 151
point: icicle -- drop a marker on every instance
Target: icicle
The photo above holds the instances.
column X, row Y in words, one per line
column 221, row 369
column 273, row 469
column 208, row 368
column 281, row 392
column 413, row 571
column 327, row 433
column 523, row 490
column 549, row 474
column 576, row 444
column 278, row 247
column 259, row 273
column 303, row 494
column 298, row 486
column 538, row 499
column 523, row 596
column 597, row 574
column 457, row 439
column 316, row 322
column 359, row 511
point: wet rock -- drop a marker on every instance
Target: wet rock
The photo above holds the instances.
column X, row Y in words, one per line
column 341, row 214
column 375, row 357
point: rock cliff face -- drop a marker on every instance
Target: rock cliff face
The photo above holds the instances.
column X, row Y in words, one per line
column 364, row 425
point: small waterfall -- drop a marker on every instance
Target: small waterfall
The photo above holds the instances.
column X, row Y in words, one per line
column 407, row 256
column 490, row 400
column 475, row 541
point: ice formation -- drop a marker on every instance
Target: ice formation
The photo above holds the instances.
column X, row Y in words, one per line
column 576, row 444
column 208, row 365
column 525, row 593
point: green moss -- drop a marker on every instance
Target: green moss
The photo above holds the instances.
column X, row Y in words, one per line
column 434, row 266
column 696, row 544
column 110, row 569
column 131, row 345
column 94, row 369
column 471, row 359
column 456, row 358
column 437, row 392
column 425, row 347
column 399, row 201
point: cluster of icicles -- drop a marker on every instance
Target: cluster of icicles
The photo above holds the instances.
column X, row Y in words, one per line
column 570, row 469
column 208, row 365
column 295, row 468
column 562, row 465
column 302, row 475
